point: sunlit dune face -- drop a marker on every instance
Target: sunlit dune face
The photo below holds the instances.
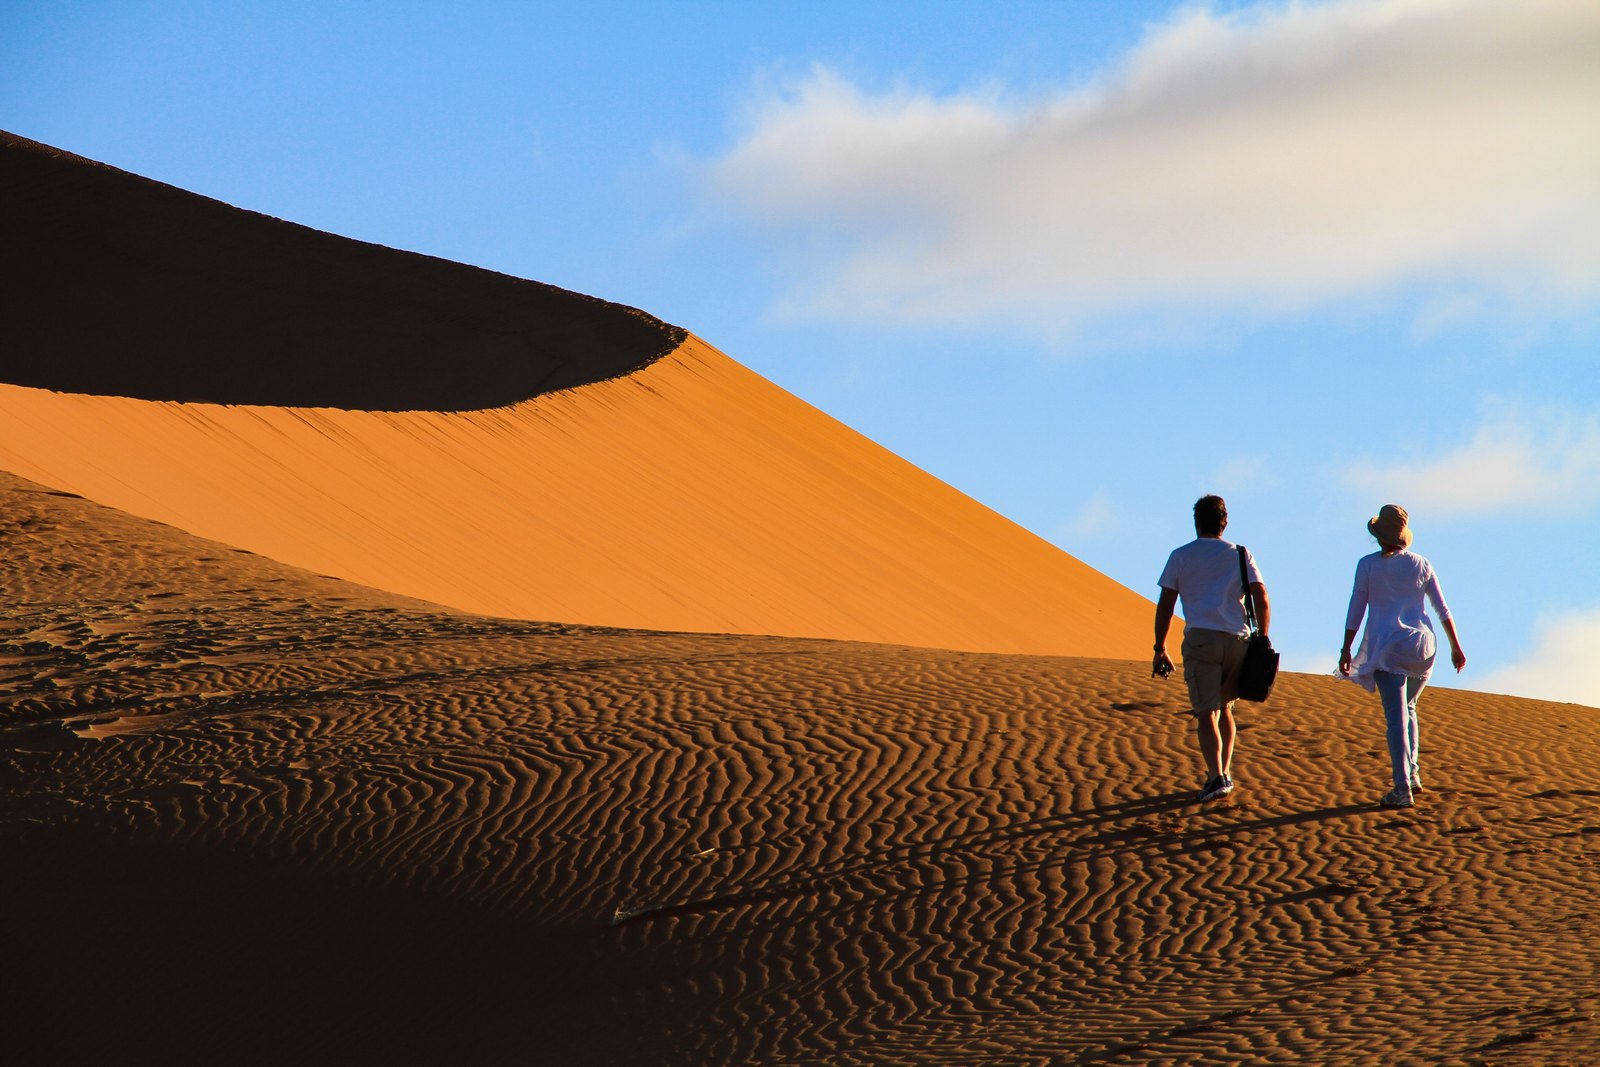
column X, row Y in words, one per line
column 691, row 495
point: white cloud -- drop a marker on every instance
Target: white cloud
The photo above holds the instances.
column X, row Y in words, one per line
column 1562, row 665
column 1445, row 312
column 1545, row 458
column 1260, row 159
column 1244, row 473
column 1096, row 517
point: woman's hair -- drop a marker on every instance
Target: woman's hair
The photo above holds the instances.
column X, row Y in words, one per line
column 1210, row 515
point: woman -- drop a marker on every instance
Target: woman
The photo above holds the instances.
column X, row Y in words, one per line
column 1398, row 646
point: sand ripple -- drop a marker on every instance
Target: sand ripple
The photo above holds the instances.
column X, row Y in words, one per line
column 535, row 843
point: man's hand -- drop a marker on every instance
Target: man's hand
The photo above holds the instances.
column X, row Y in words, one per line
column 1161, row 666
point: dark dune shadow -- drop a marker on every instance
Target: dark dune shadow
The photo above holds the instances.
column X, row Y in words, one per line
column 140, row 953
column 117, row 285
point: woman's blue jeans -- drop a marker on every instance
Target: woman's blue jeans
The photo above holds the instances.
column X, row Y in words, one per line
column 1399, row 694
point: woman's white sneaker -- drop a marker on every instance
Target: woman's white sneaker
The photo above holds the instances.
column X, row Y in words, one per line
column 1396, row 799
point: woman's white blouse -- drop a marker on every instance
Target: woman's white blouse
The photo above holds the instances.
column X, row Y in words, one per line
column 1393, row 591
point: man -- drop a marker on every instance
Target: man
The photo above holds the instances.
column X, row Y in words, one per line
column 1205, row 574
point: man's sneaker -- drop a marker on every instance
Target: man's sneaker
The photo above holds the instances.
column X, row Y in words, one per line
column 1396, row 799
column 1416, row 782
column 1227, row 785
column 1217, row 787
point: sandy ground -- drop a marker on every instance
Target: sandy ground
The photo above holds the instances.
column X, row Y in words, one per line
column 255, row 815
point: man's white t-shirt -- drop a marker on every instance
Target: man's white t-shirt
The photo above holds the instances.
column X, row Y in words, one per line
column 1205, row 575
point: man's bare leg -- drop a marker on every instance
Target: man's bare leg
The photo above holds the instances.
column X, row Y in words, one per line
column 1211, row 741
column 1226, row 733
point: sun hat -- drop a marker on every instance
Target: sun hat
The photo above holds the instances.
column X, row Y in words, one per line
column 1391, row 526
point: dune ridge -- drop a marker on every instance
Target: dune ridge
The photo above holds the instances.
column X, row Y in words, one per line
column 252, row 815
column 690, row 495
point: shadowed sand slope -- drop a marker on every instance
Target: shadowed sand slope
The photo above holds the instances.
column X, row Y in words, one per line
column 252, row 815
column 118, row 285
column 690, row 495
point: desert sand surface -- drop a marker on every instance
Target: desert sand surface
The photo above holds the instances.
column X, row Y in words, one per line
column 254, row 815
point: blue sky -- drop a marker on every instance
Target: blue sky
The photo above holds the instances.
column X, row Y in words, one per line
column 1083, row 260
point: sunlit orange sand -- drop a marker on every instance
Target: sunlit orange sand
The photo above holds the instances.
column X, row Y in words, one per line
column 691, row 495
column 256, row 814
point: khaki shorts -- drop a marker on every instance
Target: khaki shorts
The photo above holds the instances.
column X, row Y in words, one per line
column 1211, row 661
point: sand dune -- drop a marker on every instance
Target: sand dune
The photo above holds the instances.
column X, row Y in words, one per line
column 665, row 487
column 252, row 815
column 691, row 495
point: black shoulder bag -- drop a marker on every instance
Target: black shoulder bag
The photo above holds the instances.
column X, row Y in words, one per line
column 1260, row 667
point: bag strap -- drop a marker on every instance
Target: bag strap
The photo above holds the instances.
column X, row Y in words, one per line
column 1249, row 601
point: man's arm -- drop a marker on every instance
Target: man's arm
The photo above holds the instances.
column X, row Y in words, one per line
column 1164, row 609
column 1263, row 607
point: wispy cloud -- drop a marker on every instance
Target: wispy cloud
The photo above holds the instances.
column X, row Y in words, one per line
column 1561, row 666
column 1097, row 516
column 1244, row 473
column 1259, row 159
column 1547, row 458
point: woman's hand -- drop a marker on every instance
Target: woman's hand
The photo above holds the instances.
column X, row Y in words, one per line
column 1344, row 652
column 1457, row 657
